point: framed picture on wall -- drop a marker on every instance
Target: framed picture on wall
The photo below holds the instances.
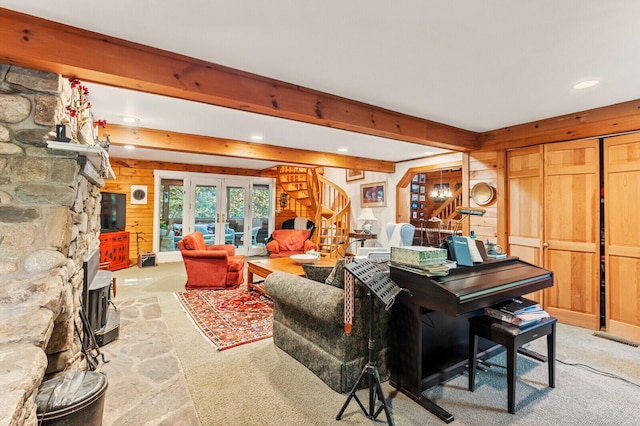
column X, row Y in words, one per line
column 373, row 194
column 414, row 197
column 353, row 174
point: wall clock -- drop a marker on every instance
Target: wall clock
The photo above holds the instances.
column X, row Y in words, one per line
column 138, row 194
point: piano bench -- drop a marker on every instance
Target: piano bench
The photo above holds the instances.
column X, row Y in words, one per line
column 512, row 338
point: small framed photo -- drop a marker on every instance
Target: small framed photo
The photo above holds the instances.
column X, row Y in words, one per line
column 353, row 174
column 422, row 198
column 414, row 197
column 422, row 177
column 422, row 189
column 414, row 187
column 415, row 215
column 373, row 194
column 414, row 206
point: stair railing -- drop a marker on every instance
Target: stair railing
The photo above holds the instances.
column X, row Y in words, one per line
column 447, row 211
column 333, row 215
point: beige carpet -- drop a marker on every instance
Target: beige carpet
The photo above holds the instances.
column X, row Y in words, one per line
column 258, row 384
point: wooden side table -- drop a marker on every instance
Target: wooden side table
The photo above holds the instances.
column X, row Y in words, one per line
column 362, row 237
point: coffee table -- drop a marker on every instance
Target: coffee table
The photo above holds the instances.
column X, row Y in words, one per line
column 264, row 267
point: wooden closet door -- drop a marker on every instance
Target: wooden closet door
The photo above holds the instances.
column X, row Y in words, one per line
column 524, row 171
column 571, row 231
column 622, row 235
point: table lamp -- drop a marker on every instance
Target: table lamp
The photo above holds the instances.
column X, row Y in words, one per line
column 367, row 216
column 466, row 212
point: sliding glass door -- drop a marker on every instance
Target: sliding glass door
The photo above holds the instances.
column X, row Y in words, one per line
column 226, row 210
column 204, row 217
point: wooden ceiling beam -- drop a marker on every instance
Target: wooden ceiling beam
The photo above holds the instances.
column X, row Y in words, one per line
column 181, row 142
column 49, row 46
column 613, row 119
column 129, row 166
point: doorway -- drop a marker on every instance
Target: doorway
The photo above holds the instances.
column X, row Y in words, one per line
column 225, row 209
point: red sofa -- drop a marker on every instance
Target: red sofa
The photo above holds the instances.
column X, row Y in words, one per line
column 285, row 242
column 210, row 267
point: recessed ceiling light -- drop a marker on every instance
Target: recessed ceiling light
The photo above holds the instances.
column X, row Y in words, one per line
column 130, row 147
column 130, row 119
column 256, row 137
column 342, row 150
column 585, row 84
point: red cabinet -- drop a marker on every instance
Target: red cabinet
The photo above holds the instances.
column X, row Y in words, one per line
column 114, row 250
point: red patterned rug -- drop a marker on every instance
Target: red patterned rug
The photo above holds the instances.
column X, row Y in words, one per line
column 229, row 318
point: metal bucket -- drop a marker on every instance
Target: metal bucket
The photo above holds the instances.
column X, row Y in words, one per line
column 74, row 398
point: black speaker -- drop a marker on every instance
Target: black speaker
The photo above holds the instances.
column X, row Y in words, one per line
column 146, row 259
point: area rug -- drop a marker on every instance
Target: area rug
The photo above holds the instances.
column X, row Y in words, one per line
column 229, row 318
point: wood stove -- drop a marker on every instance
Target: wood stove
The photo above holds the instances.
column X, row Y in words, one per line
column 103, row 317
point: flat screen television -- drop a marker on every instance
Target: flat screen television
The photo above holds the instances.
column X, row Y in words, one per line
column 113, row 213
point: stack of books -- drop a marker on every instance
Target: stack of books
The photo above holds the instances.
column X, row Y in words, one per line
column 519, row 311
column 427, row 261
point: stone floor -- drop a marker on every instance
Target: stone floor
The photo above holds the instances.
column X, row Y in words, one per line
column 146, row 381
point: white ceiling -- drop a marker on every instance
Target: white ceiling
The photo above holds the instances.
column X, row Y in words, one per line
column 477, row 65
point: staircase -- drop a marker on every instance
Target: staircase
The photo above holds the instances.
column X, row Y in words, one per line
column 447, row 211
column 327, row 203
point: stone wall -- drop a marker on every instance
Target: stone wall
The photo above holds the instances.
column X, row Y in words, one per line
column 49, row 223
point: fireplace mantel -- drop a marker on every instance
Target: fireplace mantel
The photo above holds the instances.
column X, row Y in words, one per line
column 96, row 154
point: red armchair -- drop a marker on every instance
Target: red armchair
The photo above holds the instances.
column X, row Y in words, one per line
column 210, row 267
column 285, row 242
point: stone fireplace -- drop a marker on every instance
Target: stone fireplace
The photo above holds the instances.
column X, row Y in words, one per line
column 49, row 222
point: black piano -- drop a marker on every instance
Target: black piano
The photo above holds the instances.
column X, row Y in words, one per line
column 430, row 330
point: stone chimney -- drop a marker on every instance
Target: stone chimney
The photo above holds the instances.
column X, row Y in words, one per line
column 49, row 223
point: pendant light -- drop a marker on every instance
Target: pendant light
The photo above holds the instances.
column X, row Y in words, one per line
column 440, row 192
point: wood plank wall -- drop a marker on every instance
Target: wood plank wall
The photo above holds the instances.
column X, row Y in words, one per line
column 138, row 172
column 139, row 216
column 483, row 167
